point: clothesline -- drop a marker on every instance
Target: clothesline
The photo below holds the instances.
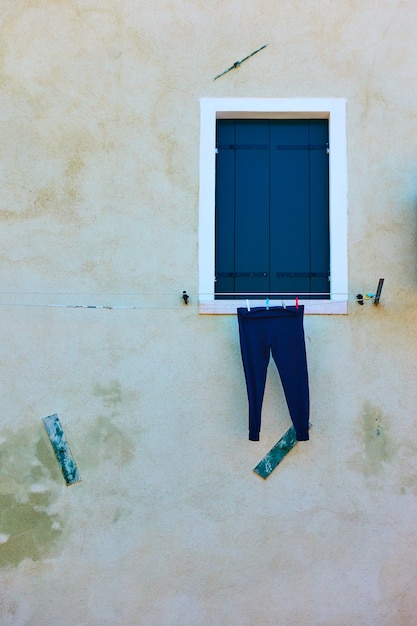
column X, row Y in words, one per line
column 190, row 302
column 175, row 293
column 212, row 294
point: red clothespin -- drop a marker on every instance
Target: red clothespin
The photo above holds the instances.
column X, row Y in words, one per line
column 296, row 302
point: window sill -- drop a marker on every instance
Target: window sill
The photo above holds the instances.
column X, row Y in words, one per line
column 311, row 307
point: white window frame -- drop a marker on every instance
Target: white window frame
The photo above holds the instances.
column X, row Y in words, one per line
column 333, row 109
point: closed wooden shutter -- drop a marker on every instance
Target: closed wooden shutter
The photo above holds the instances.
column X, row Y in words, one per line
column 272, row 209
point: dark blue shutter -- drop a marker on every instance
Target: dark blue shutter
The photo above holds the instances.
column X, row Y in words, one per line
column 252, row 206
column 290, row 228
column 319, row 207
column 225, row 207
column 272, row 232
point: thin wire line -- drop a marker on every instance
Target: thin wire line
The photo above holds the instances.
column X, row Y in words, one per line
column 243, row 294
column 101, row 292
column 229, row 306
column 202, row 299
column 176, row 292
column 286, row 295
column 98, row 306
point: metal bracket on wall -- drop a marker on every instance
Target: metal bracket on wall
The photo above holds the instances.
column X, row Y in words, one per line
column 378, row 291
column 368, row 296
column 238, row 63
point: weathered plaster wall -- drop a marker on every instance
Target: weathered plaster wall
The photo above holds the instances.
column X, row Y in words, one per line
column 98, row 202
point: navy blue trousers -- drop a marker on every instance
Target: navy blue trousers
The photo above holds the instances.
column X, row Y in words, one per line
column 281, row 332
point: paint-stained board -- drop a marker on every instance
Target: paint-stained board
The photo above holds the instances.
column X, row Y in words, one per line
column 61, row 448
column 276, row 454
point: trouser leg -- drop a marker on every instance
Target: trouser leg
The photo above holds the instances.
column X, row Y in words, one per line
column 289, row 354
column 255, row 358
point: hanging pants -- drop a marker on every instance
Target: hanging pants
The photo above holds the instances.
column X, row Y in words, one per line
column 281, row 332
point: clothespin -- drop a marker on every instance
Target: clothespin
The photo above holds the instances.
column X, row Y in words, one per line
column 247, row 305
column 267, row 304
column 296, row 302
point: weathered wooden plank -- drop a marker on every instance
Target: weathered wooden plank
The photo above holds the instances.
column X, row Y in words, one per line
column 276, row 454
column 61, row 448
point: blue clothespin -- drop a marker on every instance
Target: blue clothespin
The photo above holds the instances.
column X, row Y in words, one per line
column 267, row 304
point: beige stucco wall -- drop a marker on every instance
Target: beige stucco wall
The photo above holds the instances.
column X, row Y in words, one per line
column 99, row 206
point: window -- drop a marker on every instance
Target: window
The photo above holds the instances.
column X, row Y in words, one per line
column 273, row 203
column 272, row 207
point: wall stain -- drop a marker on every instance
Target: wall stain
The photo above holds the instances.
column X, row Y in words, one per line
column 378, row 447
column 115, row 442
column 409, row 483
column 25, row 533
column 106, row 439
column 121, row 514
column 375, row 437
column 28, row 490
column 111, row 394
